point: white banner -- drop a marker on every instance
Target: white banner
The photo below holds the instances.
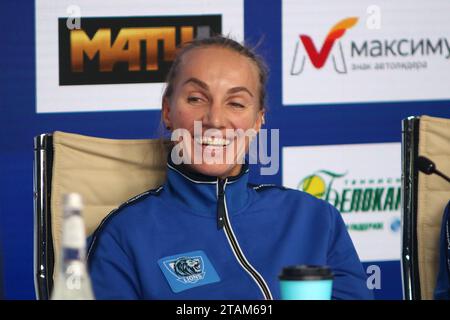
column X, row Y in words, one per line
column 108, row 67
column 363, row 182
column 352, row 51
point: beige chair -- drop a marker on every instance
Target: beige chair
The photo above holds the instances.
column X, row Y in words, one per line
column 424, row 200
column 106, row 172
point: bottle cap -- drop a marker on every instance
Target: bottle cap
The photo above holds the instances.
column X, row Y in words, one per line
column 73, row 201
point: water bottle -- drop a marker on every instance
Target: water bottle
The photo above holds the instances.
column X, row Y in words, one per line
column 72, row 281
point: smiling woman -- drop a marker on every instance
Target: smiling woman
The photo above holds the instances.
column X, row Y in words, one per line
column 220, row 86
column 207, row 233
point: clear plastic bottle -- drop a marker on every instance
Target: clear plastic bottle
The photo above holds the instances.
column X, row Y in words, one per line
column 72, row 281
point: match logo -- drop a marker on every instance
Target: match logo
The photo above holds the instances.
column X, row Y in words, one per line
column 113, row 50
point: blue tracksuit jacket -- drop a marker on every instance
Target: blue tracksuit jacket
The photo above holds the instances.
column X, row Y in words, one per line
column 200, row 237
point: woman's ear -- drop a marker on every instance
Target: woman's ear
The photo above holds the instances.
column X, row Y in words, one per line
column 166, row 113
column 260, row 120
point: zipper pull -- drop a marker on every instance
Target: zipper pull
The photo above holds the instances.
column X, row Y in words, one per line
column 220, row 203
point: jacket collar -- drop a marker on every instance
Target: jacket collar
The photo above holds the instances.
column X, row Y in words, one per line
column 197, row 193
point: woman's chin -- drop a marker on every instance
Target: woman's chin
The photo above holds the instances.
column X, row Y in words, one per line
column 216, row 170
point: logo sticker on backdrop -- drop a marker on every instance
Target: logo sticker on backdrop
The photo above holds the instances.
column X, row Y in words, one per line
column 115, row 57
column 362, row 182
column 368, row 46
column 319, row 57
column 188, row 270
column 126, row 49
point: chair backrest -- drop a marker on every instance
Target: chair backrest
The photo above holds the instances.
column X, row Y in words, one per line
column 106, row 172
column 424, row 200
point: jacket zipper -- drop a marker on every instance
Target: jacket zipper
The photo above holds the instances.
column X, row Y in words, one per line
column 223, row 221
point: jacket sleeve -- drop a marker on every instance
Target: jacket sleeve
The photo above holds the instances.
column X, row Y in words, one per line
column 349, row 275
column 112, row 273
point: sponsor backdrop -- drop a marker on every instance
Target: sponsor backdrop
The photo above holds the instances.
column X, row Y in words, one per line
column 365, row 51
column 118, row 59
column 343, row 75
column 362, row 182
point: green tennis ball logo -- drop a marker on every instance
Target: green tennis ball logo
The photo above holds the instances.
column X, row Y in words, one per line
column 313, row 185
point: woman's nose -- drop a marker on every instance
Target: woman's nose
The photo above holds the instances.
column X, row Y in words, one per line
column 215, row 116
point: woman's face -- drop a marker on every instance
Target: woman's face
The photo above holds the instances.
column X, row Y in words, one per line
column 215, row 88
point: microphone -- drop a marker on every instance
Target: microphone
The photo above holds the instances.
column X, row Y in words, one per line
column 427, row 166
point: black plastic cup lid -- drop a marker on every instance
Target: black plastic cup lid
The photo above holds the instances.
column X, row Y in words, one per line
column 306, row 272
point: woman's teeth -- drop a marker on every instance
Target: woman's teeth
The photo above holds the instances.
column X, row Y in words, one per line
column 217, row 142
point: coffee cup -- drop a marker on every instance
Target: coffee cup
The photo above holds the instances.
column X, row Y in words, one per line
column 306, row 282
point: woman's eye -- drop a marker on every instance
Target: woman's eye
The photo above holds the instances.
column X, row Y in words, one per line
column 193, row 99
column 237, row 105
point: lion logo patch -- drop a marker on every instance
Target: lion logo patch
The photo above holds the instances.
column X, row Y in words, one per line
column 188, row 270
